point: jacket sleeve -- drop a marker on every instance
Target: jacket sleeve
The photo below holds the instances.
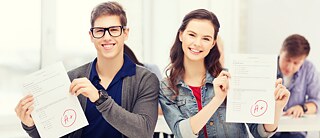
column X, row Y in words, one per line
column 32, row 131
column 258, row 131
column 178, row 124
column 141, row 121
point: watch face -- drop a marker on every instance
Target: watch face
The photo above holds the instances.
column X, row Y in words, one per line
column 103, row 93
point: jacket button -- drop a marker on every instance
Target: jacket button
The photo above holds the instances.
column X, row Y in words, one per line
column 211, row 123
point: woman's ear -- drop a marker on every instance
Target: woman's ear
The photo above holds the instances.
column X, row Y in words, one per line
column 180, row 36
column 214, row 43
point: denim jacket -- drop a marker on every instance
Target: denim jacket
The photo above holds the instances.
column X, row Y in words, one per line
column 177, row 112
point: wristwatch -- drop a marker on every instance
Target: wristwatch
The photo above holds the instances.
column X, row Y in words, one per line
column 304, row 107
column 103, row 96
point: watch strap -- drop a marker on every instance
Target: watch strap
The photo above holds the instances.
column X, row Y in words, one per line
column 304, row 107
column 103, row 96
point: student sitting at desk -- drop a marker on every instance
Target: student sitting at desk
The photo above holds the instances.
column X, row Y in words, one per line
column 301, row 78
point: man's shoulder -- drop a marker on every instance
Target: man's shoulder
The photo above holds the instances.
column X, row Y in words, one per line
column 308, row 66
column 142, row 78
column 143, row 75
column 308, row 71
column 142, row 71
column 154, row 68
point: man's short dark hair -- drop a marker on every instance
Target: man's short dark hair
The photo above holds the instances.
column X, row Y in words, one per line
column 296, row 45
column 108, row 8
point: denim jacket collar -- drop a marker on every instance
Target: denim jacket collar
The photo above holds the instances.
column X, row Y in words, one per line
column 209, row 80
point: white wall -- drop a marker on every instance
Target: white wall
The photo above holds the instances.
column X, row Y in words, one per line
column 271, row 21
column 153, row 26
column 19, row 56
column 72, row 30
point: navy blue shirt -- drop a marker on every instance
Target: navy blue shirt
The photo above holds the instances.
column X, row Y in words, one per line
column 98, row 127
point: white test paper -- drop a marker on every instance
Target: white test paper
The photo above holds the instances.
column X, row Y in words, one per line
column 250, row 98
column 56, row 112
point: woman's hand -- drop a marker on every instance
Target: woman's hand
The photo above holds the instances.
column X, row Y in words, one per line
column 281, row 94
column 84, row 86
column 24, row 109
column 221, row 85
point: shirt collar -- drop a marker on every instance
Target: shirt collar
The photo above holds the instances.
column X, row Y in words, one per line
column 128, row 69
column 209, row 78
column 93, row 73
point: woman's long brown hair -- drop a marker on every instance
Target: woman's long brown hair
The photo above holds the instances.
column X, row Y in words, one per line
column 212, row 64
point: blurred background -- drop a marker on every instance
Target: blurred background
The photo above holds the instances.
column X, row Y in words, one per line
column 37, row 33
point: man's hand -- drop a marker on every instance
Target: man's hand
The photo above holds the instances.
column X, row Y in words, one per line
column 23, row 110
column 84, row 86
column 296, row 111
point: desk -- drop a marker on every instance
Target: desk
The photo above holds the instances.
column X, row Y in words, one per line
column 305, row 123
column 162, row 126
column 286, row 124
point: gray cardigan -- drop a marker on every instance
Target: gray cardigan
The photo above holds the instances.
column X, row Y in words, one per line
column 136, row 117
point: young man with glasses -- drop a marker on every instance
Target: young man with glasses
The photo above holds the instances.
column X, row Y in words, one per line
column 301, row 78
column 119, row 97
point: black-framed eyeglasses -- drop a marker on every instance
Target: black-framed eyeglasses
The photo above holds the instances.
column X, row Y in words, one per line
column 99, row 32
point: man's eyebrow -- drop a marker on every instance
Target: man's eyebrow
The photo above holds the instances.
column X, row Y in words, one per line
column 208, row 36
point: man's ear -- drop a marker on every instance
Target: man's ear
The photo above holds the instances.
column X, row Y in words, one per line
column 91, row 36
column 126, row 33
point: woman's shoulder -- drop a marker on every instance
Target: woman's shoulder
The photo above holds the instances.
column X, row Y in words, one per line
column 165, row 83
column 165, row 88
